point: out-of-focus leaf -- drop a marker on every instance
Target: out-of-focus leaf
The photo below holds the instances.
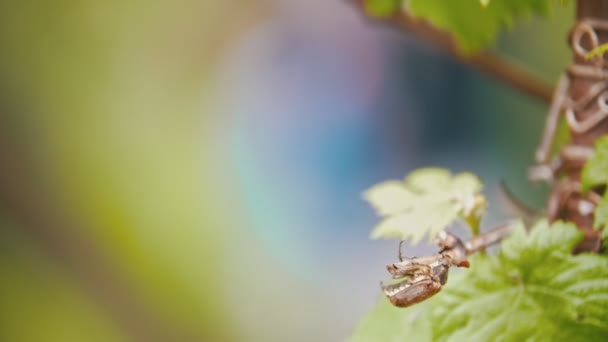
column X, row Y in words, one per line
column 595, row 171
column 390, row 197
column 43, row 302
column 425, row 203
column 474, row 25
column 118, row 96
column 382, row 8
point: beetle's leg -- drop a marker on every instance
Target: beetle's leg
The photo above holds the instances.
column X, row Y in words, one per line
column 440, row 273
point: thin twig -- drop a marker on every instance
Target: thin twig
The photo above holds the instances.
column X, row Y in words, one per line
column 487, row 62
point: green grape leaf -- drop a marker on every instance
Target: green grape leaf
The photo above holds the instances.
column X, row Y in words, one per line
column 534, row 289
column 382, row 8
column 595, row 171
column 388, row 323
column 474, row 23
column 425, row 203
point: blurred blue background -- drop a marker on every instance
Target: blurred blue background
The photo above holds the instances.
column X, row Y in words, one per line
column 211, row 157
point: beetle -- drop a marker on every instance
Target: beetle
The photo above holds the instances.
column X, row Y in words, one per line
column 425, row 281
column 425, row 276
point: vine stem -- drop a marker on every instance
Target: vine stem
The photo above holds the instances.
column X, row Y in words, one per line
column 489, row 238
column 489, row 63
column 457, row 250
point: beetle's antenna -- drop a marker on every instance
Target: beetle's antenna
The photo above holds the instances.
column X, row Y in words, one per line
column 400, row 256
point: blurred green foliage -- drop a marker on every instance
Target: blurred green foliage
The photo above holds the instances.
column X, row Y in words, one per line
column 474, row 23
column 43, row 302
column 114, row 95
column 382, row 8
column 595, row 170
